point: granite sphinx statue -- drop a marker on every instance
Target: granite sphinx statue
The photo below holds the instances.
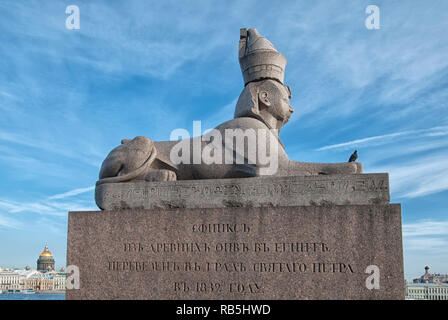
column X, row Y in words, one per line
column 263, row 108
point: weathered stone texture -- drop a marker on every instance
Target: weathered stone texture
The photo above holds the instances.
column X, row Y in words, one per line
column 248, row 192
column 237, row 253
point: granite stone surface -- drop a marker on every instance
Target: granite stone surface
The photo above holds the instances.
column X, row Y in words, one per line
column 248, row 192
column 239, row 253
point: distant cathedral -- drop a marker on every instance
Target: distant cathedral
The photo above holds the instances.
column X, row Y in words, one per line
column 429, row 277
column 45, row 261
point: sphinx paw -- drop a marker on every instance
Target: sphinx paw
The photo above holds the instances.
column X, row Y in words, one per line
column 161, row 175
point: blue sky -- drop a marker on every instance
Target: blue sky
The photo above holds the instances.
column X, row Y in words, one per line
column 67, row 97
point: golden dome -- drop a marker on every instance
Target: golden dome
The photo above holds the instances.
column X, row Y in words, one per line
column 46, row 253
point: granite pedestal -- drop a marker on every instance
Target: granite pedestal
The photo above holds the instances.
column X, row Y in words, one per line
column 269, row 248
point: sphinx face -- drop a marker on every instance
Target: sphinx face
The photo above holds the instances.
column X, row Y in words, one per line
column 266, row 100
column 280, row 100
column 286, row 106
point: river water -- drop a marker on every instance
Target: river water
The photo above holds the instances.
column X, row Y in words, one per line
column 34, row 296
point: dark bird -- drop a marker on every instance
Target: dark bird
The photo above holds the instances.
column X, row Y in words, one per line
column 354, row 156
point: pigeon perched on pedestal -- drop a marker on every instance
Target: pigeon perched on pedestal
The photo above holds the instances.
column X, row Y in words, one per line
column 354, row 156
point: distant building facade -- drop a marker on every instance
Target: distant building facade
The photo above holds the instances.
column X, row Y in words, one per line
column 429, row 277
column 430, row 286
column 40, row 282
column 45, row 278
column 10, row 280
column 59, row 281
column 427, row 291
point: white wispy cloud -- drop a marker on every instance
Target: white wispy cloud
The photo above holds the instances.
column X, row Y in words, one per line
column 157, row 48
column 415, row 178
column 8, row 222
column 54, row 206
column 388, row 73
column 52, row 225
column 425, row 228
column 425, row 242
column 428, row 245
column 7, row 95
column 71, row 193
column 388, row 138
column 416, row 160
column 429, row 236
column 87, row 155
column 38, row 207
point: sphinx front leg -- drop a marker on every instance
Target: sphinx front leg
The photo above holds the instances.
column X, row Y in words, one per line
column 160, row 175
column 339, row 168
column 311, row 169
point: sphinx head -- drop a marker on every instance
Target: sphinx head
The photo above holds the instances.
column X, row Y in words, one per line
column 267, row 101
column 264, row 97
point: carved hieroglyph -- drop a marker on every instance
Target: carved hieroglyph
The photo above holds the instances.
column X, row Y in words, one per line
column 359, row 189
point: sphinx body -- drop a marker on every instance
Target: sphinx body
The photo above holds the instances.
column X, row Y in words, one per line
column 261, row 111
